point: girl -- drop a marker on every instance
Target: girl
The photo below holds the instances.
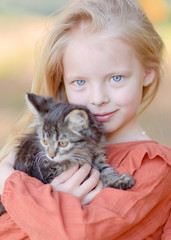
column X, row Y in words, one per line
column 104, row 54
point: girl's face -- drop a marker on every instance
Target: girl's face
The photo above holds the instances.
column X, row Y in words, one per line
column 106, row 76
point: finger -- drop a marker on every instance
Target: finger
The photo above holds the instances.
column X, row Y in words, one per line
column 88, row 198
column 80, row 175
column 92, row 181
column 83, row 189
column 63, row 177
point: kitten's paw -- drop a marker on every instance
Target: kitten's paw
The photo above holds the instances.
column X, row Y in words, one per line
column 2, row 209
column 124, row 181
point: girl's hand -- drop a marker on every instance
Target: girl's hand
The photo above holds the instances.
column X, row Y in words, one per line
column 6, row 168
column 71, row 182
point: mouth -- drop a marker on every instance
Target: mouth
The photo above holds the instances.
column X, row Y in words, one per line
column 105, row 116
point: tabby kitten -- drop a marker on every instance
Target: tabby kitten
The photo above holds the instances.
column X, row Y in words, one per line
column 65, row 135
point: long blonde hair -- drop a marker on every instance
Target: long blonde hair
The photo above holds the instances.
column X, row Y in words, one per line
column 123, row 16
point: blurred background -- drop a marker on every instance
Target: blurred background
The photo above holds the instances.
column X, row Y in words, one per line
column 22, row 24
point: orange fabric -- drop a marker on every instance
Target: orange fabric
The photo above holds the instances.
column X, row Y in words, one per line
column 139, row 213
column 167, row 230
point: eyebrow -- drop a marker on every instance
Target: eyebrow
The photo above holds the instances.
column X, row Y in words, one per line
column 118, row 72
column 75, row 77
column 107, row 75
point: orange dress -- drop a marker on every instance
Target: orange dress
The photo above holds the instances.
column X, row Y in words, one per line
column 142, row 213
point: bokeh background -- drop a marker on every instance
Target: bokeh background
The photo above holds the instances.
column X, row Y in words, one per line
column 22, row 24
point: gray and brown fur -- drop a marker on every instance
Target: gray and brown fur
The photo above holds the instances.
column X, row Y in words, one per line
column 42, row 154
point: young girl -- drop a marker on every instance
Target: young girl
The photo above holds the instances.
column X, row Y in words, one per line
column 106, row 55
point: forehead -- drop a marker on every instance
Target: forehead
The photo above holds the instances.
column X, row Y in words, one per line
column 97, row 49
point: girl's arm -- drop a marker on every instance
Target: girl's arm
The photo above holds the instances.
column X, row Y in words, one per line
column 10, row 230
column 6, row 169
column 65, row 182
column 46, row 214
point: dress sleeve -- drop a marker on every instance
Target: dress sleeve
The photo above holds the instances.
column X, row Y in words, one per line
column 112, row 214
column 167, row 230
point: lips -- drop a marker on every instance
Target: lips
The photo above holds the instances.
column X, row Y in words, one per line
column 104, row 117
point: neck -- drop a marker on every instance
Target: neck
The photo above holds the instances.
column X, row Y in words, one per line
column 132, row 131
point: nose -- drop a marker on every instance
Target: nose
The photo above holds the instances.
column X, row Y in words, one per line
column 98, row 96
column 51, row 153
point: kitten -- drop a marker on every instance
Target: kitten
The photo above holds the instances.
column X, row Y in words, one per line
column 65, row 135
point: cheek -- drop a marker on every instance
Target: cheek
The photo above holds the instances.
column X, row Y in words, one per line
column 76, row 98
column 129, row 97
column 71, row 97
column 126, row 99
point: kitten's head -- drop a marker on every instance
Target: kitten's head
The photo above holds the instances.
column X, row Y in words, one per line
column 64, row 129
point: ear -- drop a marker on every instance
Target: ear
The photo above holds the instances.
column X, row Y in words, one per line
column 38, row 105
column 77, row 120
column 149, row 77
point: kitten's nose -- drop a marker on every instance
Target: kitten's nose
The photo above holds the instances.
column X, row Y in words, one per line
column 51, row 153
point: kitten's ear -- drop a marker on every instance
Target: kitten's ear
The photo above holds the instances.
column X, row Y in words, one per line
column 77, row 120
column 38, row 105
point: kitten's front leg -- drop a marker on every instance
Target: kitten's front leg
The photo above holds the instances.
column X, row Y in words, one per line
column 110, row 178
column 2, row 208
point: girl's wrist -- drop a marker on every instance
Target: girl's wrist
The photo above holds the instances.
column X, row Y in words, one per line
column 6, row 169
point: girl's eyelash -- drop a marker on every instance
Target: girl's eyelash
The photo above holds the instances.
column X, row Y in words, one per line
column 80, row 82
column 116, row 78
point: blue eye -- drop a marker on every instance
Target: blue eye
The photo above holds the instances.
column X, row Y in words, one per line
column 80, row 82
column 116, row 78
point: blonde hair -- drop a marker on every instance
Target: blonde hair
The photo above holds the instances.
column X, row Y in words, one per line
column 123, row 17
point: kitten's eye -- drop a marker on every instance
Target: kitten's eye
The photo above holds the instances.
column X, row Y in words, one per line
column 63, row 144
column 44, row 142
column 116, row 78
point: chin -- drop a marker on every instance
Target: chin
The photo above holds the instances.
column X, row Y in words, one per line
column 109, row 129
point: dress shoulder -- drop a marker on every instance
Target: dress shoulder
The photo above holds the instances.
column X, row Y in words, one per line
column 130, row 155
